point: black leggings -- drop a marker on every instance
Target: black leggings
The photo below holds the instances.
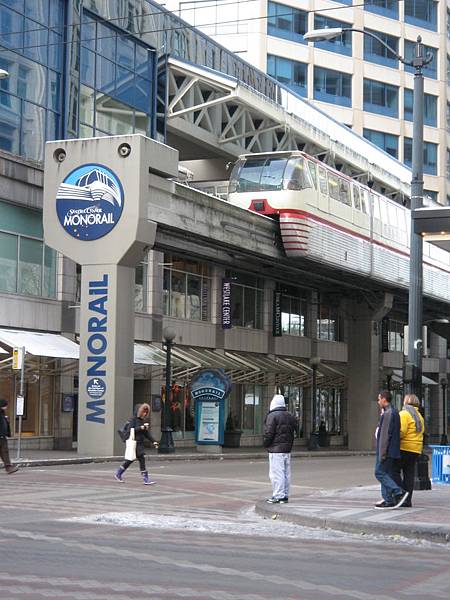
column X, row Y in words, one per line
column 140, row 458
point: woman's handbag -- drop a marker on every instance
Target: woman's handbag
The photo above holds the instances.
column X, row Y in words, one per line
column 130, row 446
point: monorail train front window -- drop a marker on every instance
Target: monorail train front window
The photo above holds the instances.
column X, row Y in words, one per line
column 297, row 176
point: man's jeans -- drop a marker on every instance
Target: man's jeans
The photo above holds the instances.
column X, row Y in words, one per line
column 385, row 473
column 280, row 473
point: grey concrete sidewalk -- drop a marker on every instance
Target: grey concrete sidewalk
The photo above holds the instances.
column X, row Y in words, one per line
column 38, row 458
column 352, row 510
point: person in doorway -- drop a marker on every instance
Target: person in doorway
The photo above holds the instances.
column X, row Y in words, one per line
column 141, row 430
column 279, row 428
column 411, row 442
column 388, row 454
column 5, row 433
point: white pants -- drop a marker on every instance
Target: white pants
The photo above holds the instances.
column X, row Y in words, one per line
column 280, row 473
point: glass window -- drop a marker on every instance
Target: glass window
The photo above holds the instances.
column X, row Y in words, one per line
column 27, row 266
column 429, row 108
column 293, row 315
column 375, row 51
column 297, row 175
column 422, row 13
column 328, row 323
column 380, row 98
column 8, row 262
column 328, row 410
column 187, row 289
column 286, row 22
column 385, row 141
column 386, row 8
column 429, row 70
column 247, row 297
column 341, row 44
column 30, row 267
column 252, row 408
column 291, row 73
column 429, row 156
column 332, row 86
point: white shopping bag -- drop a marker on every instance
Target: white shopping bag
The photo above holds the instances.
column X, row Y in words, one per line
column 130, row 446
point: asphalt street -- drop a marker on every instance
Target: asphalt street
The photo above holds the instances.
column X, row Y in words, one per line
column 73, row 532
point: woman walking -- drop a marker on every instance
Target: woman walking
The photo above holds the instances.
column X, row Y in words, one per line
column 411, row 442
column 141, row 427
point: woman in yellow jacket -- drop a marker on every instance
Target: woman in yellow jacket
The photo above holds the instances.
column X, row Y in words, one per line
column 411, row 442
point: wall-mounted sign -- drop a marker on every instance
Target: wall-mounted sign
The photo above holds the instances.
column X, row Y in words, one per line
column 226, row 303
column 276, row 321
column 89, row 202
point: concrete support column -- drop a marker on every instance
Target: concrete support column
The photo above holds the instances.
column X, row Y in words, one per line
column 364, row 370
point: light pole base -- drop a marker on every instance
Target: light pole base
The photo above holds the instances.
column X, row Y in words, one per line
column 166, row 445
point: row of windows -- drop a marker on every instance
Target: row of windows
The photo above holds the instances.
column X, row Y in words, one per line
column 389, row 143
column 336, row 87
column 290, row 23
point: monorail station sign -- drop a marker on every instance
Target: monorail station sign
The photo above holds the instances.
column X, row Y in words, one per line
column 95, row 213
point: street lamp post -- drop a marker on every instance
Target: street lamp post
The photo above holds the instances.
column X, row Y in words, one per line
column 166, row 445
column 415, row 303
column 314, row 361
column 444, row 438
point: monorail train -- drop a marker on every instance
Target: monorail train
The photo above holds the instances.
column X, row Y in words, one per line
column 330, row 218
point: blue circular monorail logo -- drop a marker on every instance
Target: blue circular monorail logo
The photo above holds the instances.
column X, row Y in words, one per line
column 89, row 202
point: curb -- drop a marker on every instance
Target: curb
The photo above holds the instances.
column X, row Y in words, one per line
column 425, row 532
column 41, row 462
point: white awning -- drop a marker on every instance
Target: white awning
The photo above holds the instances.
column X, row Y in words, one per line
column 38, row 343
column 147, row 354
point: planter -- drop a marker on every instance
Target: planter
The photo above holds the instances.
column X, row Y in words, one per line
column 232, row 439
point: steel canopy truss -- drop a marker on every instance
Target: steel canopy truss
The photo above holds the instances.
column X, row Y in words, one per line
column 232, row 118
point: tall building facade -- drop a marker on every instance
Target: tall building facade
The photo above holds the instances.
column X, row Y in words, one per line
column 354, row 78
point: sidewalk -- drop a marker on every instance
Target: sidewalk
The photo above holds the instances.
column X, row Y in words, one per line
column 352, row 510
column 39, row 458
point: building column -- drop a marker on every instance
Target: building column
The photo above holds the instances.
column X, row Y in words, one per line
column 364, row 369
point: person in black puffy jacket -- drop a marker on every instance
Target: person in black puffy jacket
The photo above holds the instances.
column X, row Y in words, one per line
column 279, row 428
column 5, row 433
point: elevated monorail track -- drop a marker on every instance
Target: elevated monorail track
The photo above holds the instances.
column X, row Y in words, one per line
column 198, row 225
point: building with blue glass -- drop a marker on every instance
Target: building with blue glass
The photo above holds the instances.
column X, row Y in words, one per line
column 90, row 68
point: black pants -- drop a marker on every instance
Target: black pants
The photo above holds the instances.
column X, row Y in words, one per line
column 140, row 458
column 4, row 452
column 408, row 466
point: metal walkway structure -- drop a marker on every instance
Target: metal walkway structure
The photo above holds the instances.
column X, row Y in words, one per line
column 227, row 118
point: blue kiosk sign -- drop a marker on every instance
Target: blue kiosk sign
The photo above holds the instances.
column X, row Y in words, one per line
column 209, row 388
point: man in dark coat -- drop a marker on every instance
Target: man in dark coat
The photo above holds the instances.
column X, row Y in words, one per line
column 5, row 433
column 279, row 428
column 388, row 454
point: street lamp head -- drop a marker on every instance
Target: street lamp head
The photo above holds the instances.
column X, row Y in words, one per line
column 321, row 35
column 3, row 74
column 169, row 334
column 315, row 361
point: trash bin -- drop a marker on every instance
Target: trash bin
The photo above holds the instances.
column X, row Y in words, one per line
column 440, row 466
column 313, row 442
